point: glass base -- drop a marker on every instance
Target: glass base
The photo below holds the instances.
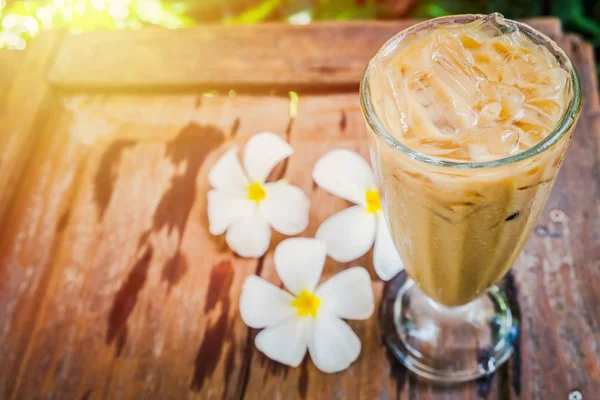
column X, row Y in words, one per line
column 447, row 344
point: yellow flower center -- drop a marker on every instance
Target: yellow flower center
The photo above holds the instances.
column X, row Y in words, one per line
column 373, row 202
column 306, row 303
column 256, row 192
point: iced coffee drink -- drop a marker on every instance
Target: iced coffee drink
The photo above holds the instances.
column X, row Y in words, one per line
column 466, row 93
column 469, row 120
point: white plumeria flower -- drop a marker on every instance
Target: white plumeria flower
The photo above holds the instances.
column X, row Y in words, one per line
column 246, row 207
column 350, row 233
column 310, row 317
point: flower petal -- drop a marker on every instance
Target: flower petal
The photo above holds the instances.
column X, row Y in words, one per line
column 224, row 209
column 264, row 304
column 227, row 174
column 349, row 233
column 299, row 263
column 345, row 174
column 249, row 236
column 285, row 343
column 386, row 260
column 333, row 345
column 263, row 152
column 286, row 208
column 348, row 294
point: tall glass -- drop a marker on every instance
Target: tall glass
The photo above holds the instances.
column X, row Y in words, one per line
column 458, row 226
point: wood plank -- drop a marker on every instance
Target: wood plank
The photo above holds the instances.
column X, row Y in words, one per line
column 559, row 274
column 25, row 106
column 27, row 241
column 141, row 300
column 321, row 55
column 23, row 110
column 11, row 62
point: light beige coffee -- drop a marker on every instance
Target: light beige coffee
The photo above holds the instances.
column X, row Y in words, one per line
column 475, row 92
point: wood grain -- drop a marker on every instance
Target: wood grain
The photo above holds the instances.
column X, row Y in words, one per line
column 24, row 107
column 126, row 277
column 10, row 62
column 321, row 55
column 111, row 286
column 324, row 122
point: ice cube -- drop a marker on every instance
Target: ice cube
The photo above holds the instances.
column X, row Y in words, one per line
column 391, row 116
column 506, row 44
column 547, row 84
column 459, row 80
column 534, row 125
column 432, row 103
column 439, row 146
column 529, row 62
column 470, row 42
column 550, row 108
column 490, row 112
column 489, row 63
column 531, row 135
column 444, row 148
column 479, row 152
column 458, row 73
column 512, row 100
column 397, row 100
column 493, row 25
column 496, row 140
column 509, row 71
column 534, row 116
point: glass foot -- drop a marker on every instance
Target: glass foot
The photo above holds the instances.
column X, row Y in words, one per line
column 447, row 344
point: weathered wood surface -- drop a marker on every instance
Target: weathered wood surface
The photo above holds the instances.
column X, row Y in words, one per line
column 320, row 55
column 111, row 286
column 23, row 107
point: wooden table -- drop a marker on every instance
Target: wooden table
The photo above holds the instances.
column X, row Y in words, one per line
column 110, row 284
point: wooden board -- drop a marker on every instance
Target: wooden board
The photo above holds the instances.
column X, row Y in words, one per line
column 111, row 286
column 11, row 62
column 24, row 106
column 320, row 56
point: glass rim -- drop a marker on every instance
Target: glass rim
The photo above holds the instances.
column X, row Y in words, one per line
column 563, row 126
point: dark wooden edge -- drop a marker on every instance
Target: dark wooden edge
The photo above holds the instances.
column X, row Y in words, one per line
column 26, row 104
column 264, row 57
